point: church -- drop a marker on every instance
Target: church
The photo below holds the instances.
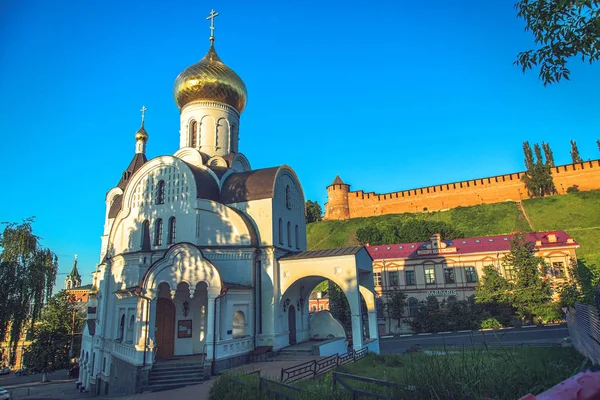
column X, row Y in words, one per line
column 203, row 259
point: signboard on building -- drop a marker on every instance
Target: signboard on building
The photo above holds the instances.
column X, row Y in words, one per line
column 442, row 292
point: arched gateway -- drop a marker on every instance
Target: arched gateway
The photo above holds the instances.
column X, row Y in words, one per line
column 202, row 257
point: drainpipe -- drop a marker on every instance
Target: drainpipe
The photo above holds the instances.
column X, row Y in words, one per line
column 223, row 293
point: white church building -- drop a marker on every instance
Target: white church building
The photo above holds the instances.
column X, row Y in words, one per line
column 203, row 258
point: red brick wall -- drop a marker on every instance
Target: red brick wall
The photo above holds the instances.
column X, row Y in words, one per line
column 344, row 204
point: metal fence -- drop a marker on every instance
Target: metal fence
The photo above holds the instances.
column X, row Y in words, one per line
column 313, row 368
column 584, row 329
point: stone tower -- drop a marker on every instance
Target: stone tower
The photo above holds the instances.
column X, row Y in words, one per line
column 337, row 206
column 73, row 280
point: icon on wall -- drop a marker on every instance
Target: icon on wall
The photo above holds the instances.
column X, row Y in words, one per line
column 184, row 329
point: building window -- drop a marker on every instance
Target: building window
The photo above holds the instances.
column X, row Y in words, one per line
column 145, row 235
column 121, row 329
column 393, row 278
column 280, row 231
column 321, row 307
column 194, row 133
column 296, row 237
column 130, row 329
column 379, row 307
column 449, row 275
column 510, row 272
column 288, row 200
column 471, row 274
column 410, row 278
column 557, row 270
column 239, row 325
column 289, row 233
column 172, row 230
column 413, row 307
column 158, row 231
column 377, row 278
column 430, row 276
column 314, row 308
column 160, row 193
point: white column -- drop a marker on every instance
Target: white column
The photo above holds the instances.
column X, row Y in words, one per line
column 151, row 327
column 210, row 323
column 357, row 332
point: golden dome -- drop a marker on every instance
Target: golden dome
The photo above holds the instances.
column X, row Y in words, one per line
column 141, row 134
column 210, row 79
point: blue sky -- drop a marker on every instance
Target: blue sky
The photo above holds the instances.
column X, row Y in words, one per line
column 389, row 95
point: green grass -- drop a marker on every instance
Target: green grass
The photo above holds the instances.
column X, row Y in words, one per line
column 500, row 373
column 577, row 213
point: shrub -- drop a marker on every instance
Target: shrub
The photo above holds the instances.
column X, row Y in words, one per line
column 491, row 323
column 573, row 189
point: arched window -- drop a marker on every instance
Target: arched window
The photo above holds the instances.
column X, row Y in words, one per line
column 146, row 235
column 158, row 231
column 296, row 237
column 413, row 307
column 160, row 193
column 130, row 328
column 194, row 133
column 172, row 230
column 289, row 233
column 121, row 328
column 239, row 325
column 288, row 200
column 280, row 231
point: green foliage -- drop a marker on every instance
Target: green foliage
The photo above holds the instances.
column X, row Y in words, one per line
column 412, row 230
column 575, row 157
column 339, row 307
column 562, row 29
column 491, row 323
column 573, row 189
column 531, row 292
column 493, row 287
column 27, row 274
column 314, row 213
column 322, row 287
column 62, row 319
column 548, row 154
column 432, row 316
column 396, row 303
column 582, row 288
column 537, row 178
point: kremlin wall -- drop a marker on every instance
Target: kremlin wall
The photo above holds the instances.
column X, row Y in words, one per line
column 344, row 204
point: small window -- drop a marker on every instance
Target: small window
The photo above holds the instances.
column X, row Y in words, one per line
column 393, row 278
column 471, row 274
column 121, row 328
column 410, row 277
column 130, row 329
column 504, row 238
column 145, row 235
column 430, row 276
column 289, row 234
column 158, row 231
column 413, row 307
column 194, row 133
column 288, row 200
column 239, row 325
column 280, row 231
column 509, row 270
column 449, row 275
column 464, row 242
column 412, row 246
column 377, row 278
column 490, row 240
column 172, row 230
column 296, row 231
column 160, row 193
column 477, row 240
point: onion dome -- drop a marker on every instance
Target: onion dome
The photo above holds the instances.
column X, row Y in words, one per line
column 210, row 79
column 141, row 134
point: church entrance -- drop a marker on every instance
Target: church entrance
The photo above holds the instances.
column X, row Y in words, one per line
column 165, row 328
column 292, row 324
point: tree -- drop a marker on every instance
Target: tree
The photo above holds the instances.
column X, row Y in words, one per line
column 396, row 304
column 548, row 154
column 581, row 288
column 27, row 275
column 528, row 155
column 412, row 230
column 538, row 178
column 562, row 29
column 575, row 153
column 313, row 212
column 54, row 335
column 531, row 293
column 493, row 287
column 339, row 306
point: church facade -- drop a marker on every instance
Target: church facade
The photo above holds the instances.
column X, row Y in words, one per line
column 203, row 256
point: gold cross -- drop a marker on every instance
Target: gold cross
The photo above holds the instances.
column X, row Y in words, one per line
column 143, row 110
column 212, row 16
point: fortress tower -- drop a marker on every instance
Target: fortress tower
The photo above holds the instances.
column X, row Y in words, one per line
column 337, row 206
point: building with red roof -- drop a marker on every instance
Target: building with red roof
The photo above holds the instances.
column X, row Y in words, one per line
column 450, row 269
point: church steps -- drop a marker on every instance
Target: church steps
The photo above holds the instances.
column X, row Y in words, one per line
column 171, row 376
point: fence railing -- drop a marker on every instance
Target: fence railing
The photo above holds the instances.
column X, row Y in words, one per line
column 584, row 329
column 310, row 369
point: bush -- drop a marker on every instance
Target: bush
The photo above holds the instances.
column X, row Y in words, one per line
column 573, row 189
column 491, row 323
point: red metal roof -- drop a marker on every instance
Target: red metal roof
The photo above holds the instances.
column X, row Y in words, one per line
column 499, row 243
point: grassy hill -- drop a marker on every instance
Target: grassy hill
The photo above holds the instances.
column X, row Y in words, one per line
column 577, row 213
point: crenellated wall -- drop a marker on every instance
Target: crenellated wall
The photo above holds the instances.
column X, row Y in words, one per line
column 343, row 203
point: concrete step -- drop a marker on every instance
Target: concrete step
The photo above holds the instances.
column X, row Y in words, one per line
column 177, row 370
column 163, row 367
column 163, row 378
column 176, row 382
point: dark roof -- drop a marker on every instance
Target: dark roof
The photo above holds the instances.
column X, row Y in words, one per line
column 342, row 251
column 206, row 186
column 135, row 164
column 249, row 185
column 219, row 171
column 115, row 207
column 84, row 287
column 229, row 285
column 74, row 272
column 337, row 181
column 469, row 245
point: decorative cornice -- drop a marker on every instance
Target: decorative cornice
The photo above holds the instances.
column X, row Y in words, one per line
column 209, row 103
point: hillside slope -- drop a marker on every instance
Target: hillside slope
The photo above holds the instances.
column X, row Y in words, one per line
column 577, row 213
